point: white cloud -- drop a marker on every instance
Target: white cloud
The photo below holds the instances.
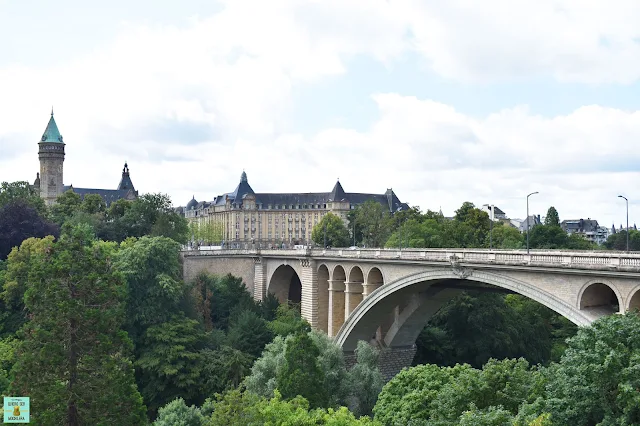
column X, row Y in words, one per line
column 190, row 106
column 582, row 41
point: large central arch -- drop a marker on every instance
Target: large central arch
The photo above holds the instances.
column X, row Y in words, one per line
column 285, row 284
column 422, row 298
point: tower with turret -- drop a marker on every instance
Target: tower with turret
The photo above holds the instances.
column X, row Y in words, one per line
column 51, row 155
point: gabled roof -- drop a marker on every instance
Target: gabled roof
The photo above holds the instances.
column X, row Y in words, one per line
column 125, row 182
column 51, row 133
column 337, row 193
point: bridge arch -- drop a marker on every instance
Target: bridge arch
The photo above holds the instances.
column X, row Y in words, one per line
column 285, row 284
column 422, row 299
column 375, row 279
column 634, row 299
column 600, row 295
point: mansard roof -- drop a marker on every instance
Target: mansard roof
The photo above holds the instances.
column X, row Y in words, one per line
column 51, row 133
column 388, row 199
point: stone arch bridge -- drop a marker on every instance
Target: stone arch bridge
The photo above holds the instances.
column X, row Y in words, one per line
column 387, row 296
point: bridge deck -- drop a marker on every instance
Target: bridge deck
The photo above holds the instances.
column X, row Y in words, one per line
column 598, row 260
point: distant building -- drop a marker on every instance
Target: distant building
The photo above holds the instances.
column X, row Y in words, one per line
column 498, row 215
column 588, row 228
column 49, row 182
column 533, row 220
column 244, row 216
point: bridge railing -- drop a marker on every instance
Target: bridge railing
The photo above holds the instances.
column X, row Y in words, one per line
column 575, row 259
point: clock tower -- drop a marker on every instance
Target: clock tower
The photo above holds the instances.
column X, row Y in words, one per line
column 51, row 155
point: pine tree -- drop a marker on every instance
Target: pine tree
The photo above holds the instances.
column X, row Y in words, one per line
column 74, row 361
column 552, row 218
column 301, row 373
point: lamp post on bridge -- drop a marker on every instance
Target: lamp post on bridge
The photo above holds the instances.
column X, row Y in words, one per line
column 527, row 219
column 627, row 201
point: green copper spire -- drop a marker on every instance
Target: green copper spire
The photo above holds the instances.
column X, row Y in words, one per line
column 51, row 133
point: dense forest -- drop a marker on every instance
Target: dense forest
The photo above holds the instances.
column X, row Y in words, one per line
column 98, row 328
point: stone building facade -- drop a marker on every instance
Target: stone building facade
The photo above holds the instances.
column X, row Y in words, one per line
column 49, row 182
column 272, row 219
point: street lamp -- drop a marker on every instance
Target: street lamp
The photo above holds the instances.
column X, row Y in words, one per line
column 627, row 201
column 527, row 219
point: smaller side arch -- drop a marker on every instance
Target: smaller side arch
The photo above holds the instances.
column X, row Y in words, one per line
column 374, row 279
column 338, row 273
column 356, row 275
column 596, row 294
column 634, row 299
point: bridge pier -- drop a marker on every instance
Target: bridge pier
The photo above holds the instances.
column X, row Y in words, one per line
column 352, row 297
column 259, row 279
column 309, row 296
column 336, row 306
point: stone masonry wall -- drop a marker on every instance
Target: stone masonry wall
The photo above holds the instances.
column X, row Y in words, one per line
column 391, row 361
column 243, row 267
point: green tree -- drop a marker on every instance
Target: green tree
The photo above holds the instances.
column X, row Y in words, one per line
column 172, row 225
column 177, row 413
column 19, row 221
column 288, row 321
column 474, row 327
column 15, row 281
column 67, row 204
column 548, row 237
column 336, row 233
column 465, row 211
column 249, row 333
column 365, row 380
column 8, row 347
column 552, row 218
column 618, row 241
column 408, row 396
column 265, row 371
column 224, row 368
column 375, row 222
column 262, row 380
column 493, row 416
column 93, row 203
column 230, row 295
column 428, row 394
column 597, row 379
column 301, row 373
column 236, row 408
column 151, row 267
column 74, row 361
column 22, row 191
column 170, row 362
column 505, row 237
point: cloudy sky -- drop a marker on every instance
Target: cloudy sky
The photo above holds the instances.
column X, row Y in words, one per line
column 442, row 101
